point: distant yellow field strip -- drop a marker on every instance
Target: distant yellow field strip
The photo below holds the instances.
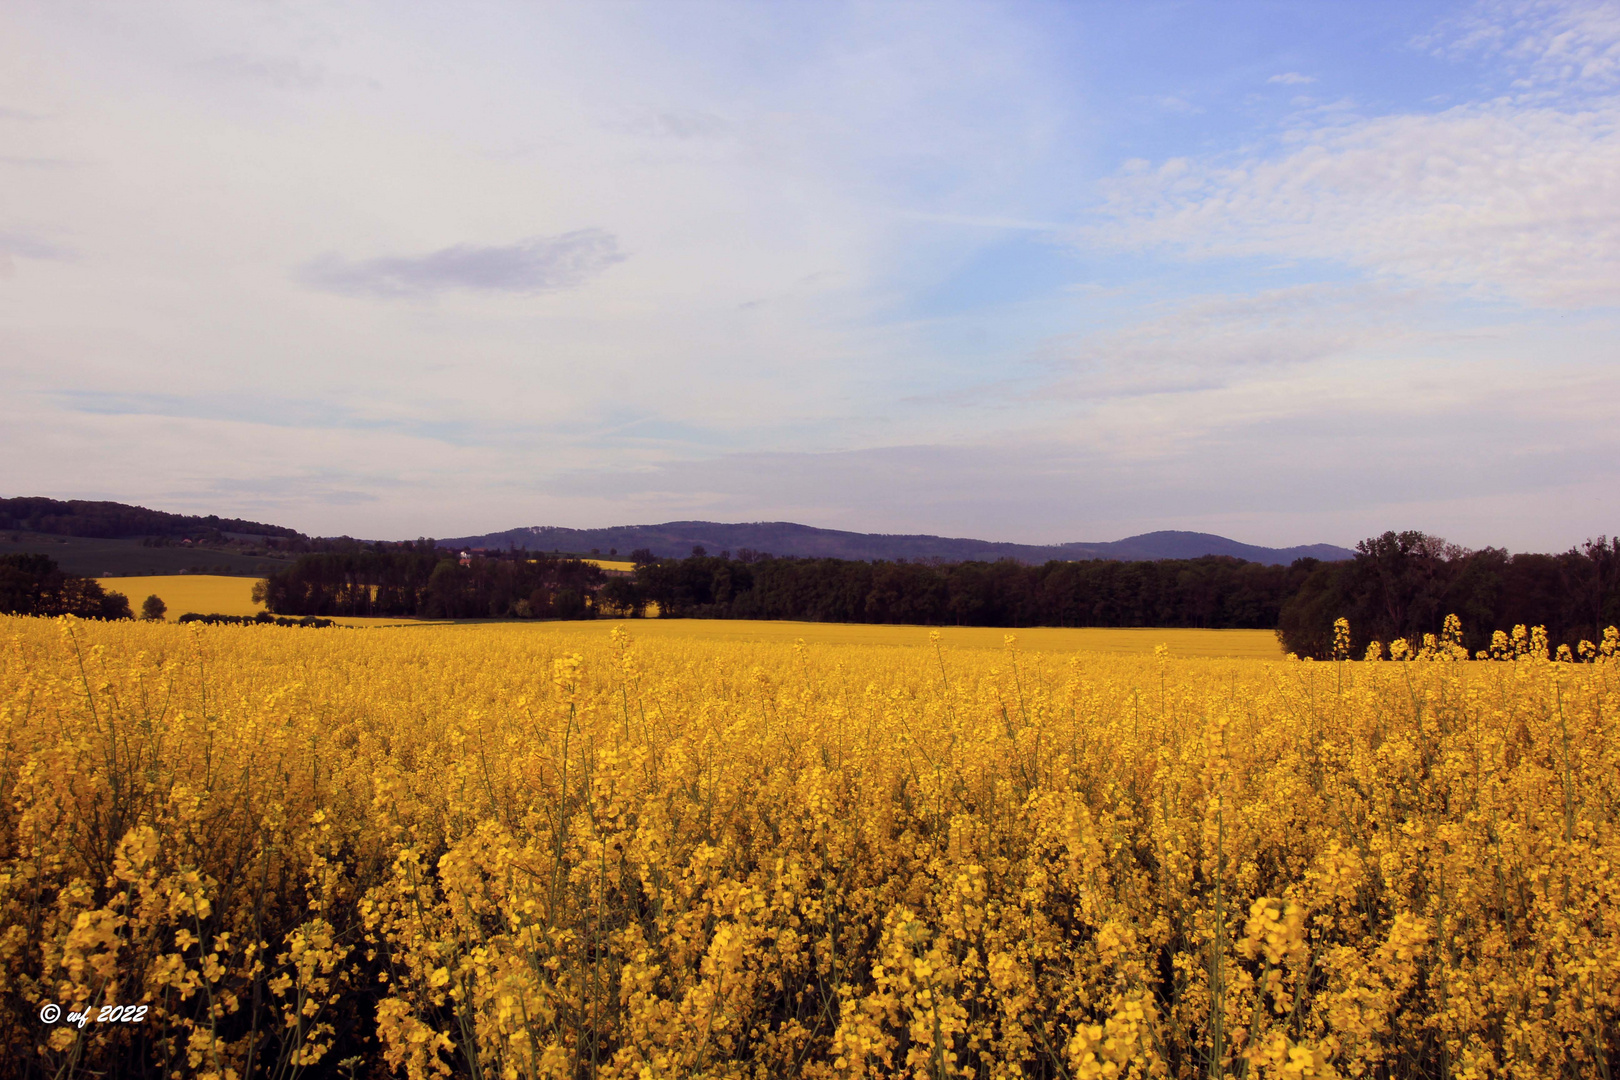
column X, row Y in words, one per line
column 205, row 594
column 210, row 594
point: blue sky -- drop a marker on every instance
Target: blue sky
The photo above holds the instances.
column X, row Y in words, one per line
column 1290, row 272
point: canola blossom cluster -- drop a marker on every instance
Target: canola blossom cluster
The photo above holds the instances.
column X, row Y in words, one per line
column 491, row 852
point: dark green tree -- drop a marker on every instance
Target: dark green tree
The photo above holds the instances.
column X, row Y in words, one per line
column 34, row 585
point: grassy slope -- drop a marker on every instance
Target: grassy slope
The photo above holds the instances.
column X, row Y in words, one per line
column 122, row 558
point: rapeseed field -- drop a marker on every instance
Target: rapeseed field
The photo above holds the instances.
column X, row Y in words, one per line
column 1259, row 644
column 487, row 851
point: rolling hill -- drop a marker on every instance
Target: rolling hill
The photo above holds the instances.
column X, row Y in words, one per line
column 108, row 538
column 120, row 521
column 678, row 538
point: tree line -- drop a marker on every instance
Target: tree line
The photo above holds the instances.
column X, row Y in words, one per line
column 1403, row 585
column 1214, row 591
column 421, row 580
column 263, row 618
column 34, row 585
column 1398, row 585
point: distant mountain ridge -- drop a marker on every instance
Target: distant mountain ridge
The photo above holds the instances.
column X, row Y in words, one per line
column 674, row 539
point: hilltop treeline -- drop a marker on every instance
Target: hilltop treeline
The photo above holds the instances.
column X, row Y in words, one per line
column 1403, row 585
column 157, row 528
column 1214, row 591
column 35, row 585
column 422, row 580
column 115, row 521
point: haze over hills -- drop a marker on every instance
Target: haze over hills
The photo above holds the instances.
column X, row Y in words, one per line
column 119, row 523
column 678, row 538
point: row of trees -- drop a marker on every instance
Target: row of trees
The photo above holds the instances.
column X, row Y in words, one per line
column 421, row 580
column 34, row 585
column 1215, row 591
column 263, row 618
column 1403, row 585
column 1399, row 585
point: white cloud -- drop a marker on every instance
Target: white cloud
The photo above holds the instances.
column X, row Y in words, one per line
column 1292, row 78
column 538, row 264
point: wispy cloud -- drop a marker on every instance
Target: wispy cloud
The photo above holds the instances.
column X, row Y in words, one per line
column 328, row 487
column 1215, row 341
column 1173, row 104
column 1517, row 196
column 678, row 124
column 1542, row 44
column 279, row 72
column 539, row 264
column 1509, row 200
column 21, row 245
column 36, row 162
column 29, row 246
column 1292, row 78
column 282, row 412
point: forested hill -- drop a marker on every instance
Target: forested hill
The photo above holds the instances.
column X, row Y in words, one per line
column 676, row 539
column 117, row 521
column 673, row 539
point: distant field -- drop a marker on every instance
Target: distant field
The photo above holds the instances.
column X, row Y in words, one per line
column 1252, row 644
column 211, row 594
column 612, row 564
column 206, row 594
column 90, row 557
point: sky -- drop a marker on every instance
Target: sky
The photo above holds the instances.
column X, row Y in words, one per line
column 1290, row 272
